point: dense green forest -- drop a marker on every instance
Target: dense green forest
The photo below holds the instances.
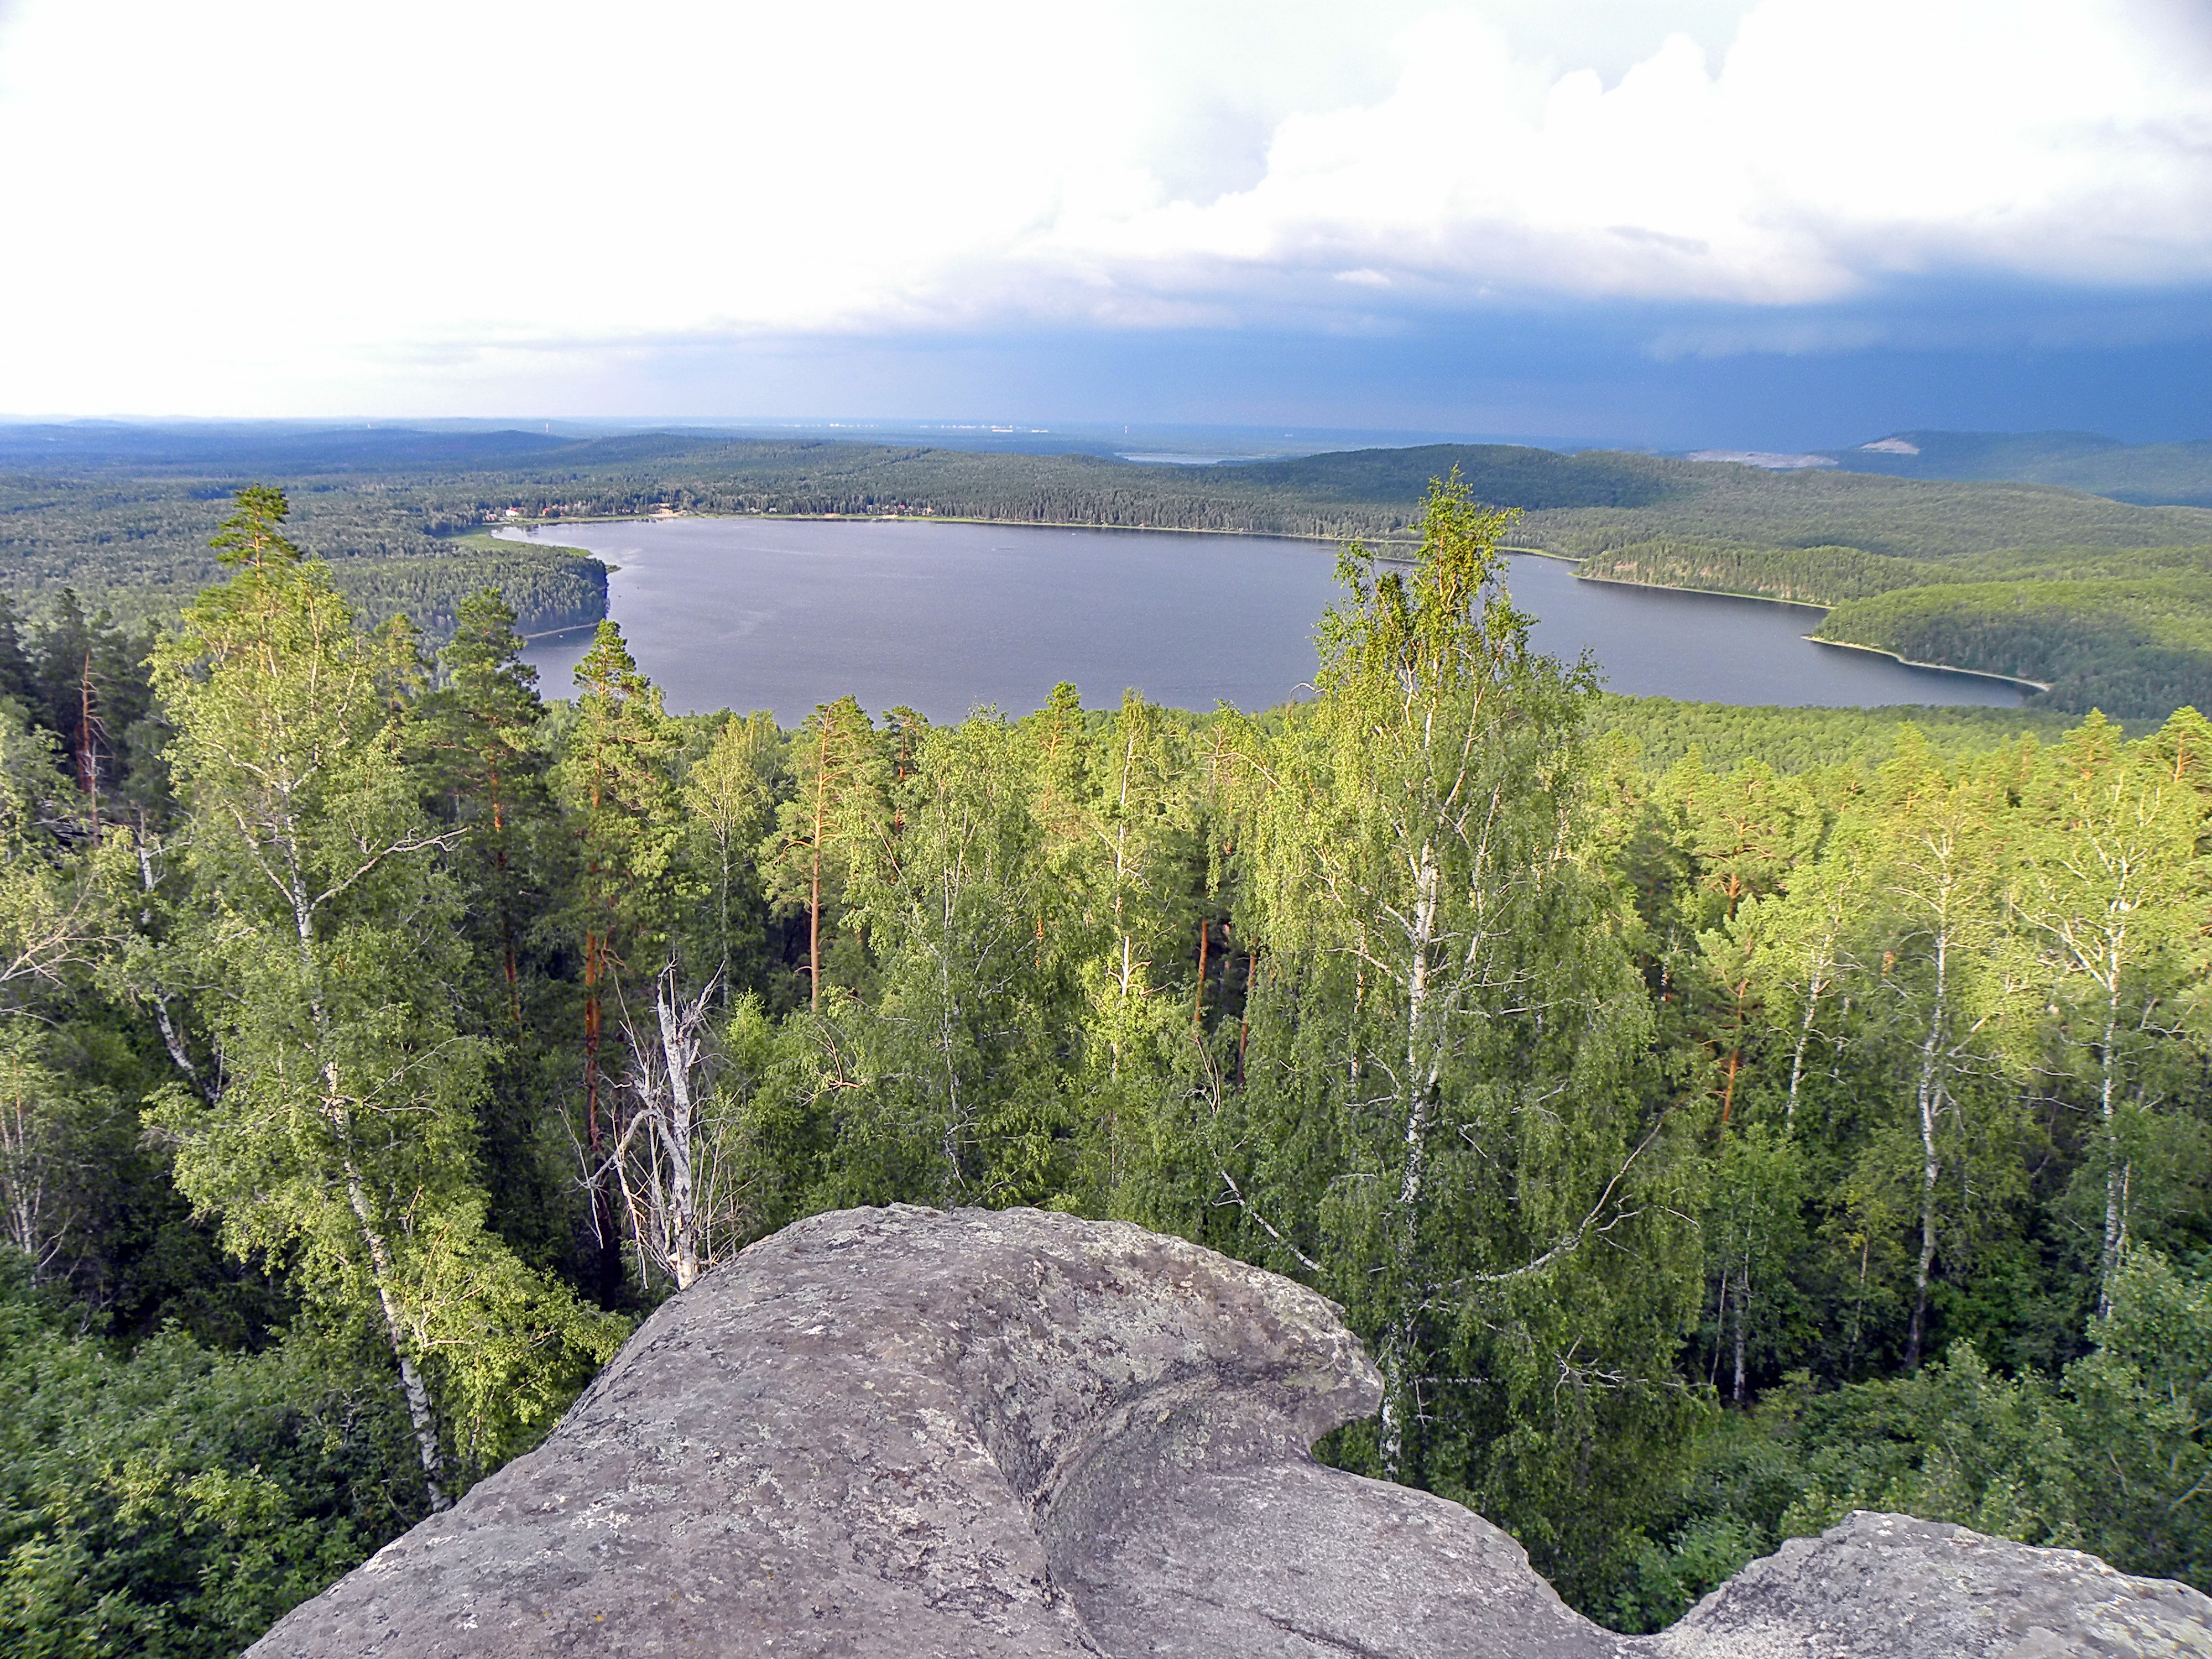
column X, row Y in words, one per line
column 137, row 548
column 2139, row 646
column 2078, row 594
column 1712, row 1120
column 2126, row 631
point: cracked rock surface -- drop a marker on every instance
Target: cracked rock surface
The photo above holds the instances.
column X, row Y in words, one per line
column 907, row 1433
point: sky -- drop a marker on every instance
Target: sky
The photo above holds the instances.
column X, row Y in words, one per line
column 1673, row 223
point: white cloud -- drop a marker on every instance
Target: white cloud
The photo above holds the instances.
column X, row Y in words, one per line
column 231, row 204
column 1834, row 144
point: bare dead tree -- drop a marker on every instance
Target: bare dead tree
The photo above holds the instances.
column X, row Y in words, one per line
column 657, row 1150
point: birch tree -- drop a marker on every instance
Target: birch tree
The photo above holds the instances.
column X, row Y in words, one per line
column 1940, row 965
column 729, row 795
column 1447, row 1058
column 340, row 1136
column 2110, row 894
column 962, row 1094
column 1806, row 940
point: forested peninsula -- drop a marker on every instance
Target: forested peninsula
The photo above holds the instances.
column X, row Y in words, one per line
column 2104, row 602
column 1712, row 1121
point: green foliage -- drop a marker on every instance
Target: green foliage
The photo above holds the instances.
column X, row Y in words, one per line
column 729, row 800
column 1498, row 475
column 340, row 1136
column 834, row 826
column 962, row 1100
column 142, row 546
column 251, row 539
column 2140, row 1410
column 319, row 905
column 1802, row 575
column 550, row 588
column 619, row 800
column 613, row 776
column 1662, row 731
column 65, row 1157
column 1450, row 1124
column 2134, row 646
column 2112, row 1457
column 175, row 1501
column 84, row 680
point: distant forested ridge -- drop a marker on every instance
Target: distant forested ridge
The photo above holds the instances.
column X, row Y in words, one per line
column 2102, row 601
column 1748, row 507
column 2171, row 474
column 402, row 516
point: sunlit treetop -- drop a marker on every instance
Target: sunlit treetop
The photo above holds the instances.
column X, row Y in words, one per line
column 251, row 536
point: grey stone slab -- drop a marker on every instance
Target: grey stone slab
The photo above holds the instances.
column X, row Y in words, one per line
column 913, row 1434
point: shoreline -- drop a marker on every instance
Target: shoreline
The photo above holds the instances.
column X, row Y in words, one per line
column 1815, row 639
column 529, row 525
column 1718, row 592
column 1941, row 667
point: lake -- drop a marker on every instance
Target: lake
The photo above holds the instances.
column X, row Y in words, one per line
column 786, row 613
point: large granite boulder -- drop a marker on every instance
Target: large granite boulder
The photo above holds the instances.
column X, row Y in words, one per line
column 906, row 1433
column 1890, row 1587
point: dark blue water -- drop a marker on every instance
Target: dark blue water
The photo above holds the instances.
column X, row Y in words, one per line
column 783, row 614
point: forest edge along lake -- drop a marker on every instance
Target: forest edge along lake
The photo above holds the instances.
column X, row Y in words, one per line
column 782, row 614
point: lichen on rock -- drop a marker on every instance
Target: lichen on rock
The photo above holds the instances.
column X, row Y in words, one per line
column 912, row 1433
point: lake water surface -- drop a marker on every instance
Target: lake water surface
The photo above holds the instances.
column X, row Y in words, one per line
column 784, row 614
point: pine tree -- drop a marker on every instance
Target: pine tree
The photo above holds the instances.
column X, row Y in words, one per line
column 487, row 773
column 729, row 796
column 615, row 780
column 837, row 820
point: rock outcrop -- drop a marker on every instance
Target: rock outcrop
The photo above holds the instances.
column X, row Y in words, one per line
column 906, row 1433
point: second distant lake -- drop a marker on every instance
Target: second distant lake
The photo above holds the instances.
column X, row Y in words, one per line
column 784, row 614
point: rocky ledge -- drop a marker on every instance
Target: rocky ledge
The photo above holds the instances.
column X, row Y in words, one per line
column 906, row 1433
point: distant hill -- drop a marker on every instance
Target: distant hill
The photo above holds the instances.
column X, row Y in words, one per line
column 258, row 447
column 1503, row 474
column 2151, row 475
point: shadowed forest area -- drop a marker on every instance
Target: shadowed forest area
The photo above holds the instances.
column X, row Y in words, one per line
column 1712, row 1120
